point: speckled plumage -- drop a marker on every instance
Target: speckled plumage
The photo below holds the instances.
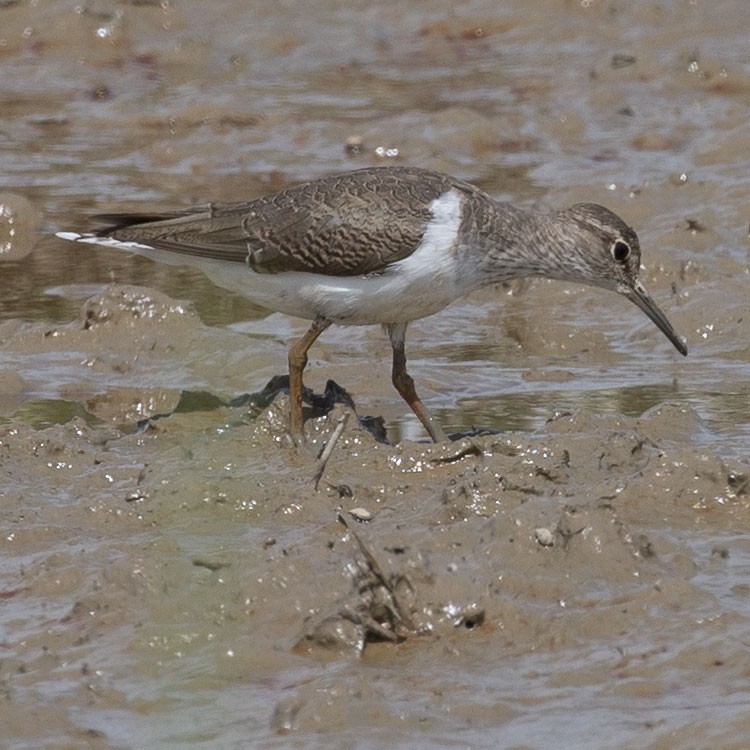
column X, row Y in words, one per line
column 384, row 245
column 344, row 225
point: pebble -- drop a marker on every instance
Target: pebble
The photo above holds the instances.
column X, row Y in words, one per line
column 360, row 514
column 544, row 536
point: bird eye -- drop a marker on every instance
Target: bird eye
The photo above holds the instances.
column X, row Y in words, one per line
column 620, row 251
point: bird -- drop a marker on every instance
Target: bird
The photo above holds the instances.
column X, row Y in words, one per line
column 383, row 245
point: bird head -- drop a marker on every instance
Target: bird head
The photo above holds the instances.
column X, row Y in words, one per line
column 602, row 250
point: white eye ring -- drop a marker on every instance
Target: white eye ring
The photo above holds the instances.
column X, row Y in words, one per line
column 620, row 251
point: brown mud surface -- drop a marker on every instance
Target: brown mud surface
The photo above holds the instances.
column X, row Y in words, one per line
column 604, row 545
column 173, row 571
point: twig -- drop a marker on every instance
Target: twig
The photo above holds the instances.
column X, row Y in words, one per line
column 325, row 454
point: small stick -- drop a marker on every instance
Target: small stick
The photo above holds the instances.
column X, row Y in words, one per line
column 325, row 454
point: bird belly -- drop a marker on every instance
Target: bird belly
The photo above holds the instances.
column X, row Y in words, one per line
column 390, row 297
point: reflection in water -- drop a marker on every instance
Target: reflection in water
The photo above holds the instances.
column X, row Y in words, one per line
column 52, row 283
column 528, row 411
column 46, row 412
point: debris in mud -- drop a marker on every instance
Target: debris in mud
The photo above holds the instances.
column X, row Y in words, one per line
column 325, row 454
column 212, row 565
column 545, row 537
column 380, row 608
column 319, row 404
column 362, row 515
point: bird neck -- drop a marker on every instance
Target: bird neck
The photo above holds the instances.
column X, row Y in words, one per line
column 506, row 243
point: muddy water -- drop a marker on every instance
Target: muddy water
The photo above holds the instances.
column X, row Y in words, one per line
column 579, row 578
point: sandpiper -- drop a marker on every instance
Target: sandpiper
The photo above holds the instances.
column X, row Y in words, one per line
column 383, row 245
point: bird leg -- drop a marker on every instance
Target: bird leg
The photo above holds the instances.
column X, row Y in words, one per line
column 404, row 383
column 297, row 362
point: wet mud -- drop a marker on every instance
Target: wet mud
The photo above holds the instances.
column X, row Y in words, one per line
column 148, row 534
column 572, row 570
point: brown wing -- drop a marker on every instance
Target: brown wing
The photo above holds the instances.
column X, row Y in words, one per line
column 350, row 224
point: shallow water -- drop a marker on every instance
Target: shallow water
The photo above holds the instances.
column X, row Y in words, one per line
column 114, row 631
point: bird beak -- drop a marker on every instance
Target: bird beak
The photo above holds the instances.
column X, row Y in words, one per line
column 640, row 297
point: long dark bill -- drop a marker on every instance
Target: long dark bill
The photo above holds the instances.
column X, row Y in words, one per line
column 640, row 297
